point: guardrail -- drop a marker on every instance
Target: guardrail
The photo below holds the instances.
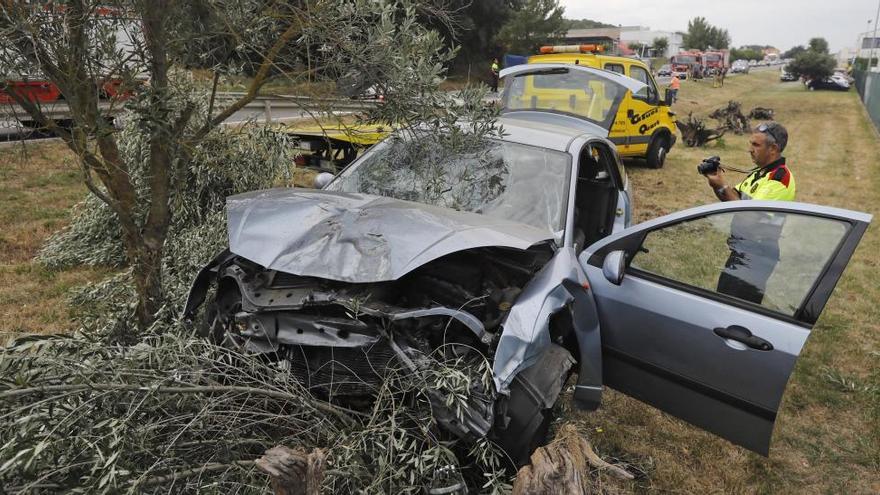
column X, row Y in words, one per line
column 59, row 110
column 267, row 103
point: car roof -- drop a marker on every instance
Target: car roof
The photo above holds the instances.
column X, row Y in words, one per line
column 544, row 129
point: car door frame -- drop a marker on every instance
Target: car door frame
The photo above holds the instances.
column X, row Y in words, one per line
column 653, row 374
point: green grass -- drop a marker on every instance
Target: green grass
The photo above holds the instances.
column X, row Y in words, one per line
column 39, row 182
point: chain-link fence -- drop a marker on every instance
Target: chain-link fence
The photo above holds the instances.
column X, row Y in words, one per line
column 868, row 86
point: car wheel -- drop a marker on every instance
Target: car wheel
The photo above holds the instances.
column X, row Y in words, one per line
column 530, row 406
column 657, row 152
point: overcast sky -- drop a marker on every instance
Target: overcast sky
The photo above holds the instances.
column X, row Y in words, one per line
column 781, row 23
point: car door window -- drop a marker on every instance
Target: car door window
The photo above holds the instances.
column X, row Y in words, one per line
column 771, row 259
column 615, row 68
column 649, row 92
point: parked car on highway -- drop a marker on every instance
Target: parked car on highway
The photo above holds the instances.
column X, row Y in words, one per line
column 843, row 74
column 665, row 71
column 832, row 83
column 739, row 67
column 520, row 251
column 785, row 75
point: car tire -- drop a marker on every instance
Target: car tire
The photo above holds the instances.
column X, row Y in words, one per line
column 530, row 405
column 657, row 151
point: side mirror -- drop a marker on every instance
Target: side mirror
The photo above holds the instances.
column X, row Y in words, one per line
column 667, row 98
column 322, row 179
column 614, row 266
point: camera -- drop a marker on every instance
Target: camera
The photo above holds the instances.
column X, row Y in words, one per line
column 709, row 165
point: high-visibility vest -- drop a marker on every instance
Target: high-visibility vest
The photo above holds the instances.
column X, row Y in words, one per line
column 774, row 183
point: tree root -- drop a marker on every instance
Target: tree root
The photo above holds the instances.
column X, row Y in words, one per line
column 562, row 467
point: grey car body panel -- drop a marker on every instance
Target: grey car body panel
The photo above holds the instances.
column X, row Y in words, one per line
column 526, row 328
column 358, row 237
column 660, row 347
column 553, row 133
column 556, row 120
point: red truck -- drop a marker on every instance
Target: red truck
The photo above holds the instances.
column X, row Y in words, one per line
column 683, row 62
column 716, row 60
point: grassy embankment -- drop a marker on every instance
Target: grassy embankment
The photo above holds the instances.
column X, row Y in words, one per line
column 38, row 185
column 827, row 438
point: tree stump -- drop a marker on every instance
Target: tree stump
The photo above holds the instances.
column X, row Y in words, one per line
column 761, row 113
column 732, row 118
column 695, row 133
column 294, row 471
column 562, row 467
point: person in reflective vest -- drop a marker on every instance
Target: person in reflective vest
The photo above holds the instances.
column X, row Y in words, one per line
column 674, row 86
column 495, row 70
column 754, row 236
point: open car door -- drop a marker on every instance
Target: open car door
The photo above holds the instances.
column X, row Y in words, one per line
column 704, row 312
column 583, row 93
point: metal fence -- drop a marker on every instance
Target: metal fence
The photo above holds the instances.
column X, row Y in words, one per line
column 868, row 86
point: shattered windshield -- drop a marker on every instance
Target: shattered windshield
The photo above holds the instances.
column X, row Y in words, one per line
column 498, row 179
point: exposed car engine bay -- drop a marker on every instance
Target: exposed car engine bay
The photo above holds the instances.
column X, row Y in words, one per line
column 340, row 338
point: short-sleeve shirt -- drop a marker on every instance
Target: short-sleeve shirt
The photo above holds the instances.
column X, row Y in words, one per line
column 775, row 182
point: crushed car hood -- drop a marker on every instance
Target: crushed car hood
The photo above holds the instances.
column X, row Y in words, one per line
column 358, row 237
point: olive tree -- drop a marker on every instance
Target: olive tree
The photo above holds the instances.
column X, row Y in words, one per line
column 141, row 50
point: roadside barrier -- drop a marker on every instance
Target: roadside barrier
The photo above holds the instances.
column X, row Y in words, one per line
column 868, row 86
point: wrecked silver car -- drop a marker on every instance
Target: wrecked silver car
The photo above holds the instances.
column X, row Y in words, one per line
column 521, row 250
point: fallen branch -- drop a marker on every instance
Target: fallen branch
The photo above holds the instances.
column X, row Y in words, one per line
column 206, row 468
column 342, row 414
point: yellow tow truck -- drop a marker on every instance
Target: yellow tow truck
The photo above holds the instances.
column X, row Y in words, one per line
column 644, row 125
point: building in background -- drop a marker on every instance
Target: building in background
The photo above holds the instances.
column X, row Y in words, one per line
column 865, row 42
column 623, row 38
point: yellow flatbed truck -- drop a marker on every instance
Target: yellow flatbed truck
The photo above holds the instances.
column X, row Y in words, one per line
column 332, row 147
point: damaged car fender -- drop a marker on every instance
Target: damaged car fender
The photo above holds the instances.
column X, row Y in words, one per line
column 198, row 291
column 559, row 286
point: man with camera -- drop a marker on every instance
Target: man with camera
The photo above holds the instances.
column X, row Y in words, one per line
column 754, row 236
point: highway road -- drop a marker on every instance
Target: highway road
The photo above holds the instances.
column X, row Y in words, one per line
column 15, row 125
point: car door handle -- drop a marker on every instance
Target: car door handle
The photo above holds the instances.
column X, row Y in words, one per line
column 744, row 335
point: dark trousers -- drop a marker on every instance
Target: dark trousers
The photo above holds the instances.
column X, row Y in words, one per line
column 494, row 82
column 748, row 268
